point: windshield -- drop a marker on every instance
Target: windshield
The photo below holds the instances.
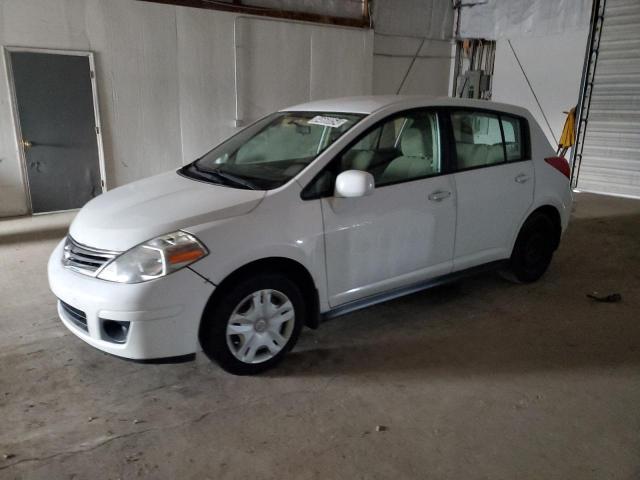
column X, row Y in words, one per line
column 272, row 151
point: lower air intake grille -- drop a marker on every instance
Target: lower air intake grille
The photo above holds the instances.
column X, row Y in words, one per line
column 78, row 317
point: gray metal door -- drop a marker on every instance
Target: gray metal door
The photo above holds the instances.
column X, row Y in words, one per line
column 57, row 120
column 610, row 161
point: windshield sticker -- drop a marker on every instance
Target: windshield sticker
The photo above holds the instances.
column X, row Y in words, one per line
column 327, row 121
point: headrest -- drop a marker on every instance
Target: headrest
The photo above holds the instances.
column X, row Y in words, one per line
column 412, row 143
column 466, row 130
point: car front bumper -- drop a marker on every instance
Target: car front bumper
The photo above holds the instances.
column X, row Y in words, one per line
column 162, row 316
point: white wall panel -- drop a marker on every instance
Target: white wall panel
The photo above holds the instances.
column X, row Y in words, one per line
column 430, row 73
column 352, row 51
column 401, row 26
column 414, row 18
column 283, row 63
column 274, row 65
column 138, row 77
column 205, row 69
column 54, row 24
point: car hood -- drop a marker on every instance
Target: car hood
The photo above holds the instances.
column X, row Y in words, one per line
column 131, row 214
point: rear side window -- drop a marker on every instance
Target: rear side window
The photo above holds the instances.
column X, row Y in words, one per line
column 478, row 138
column 513, row 138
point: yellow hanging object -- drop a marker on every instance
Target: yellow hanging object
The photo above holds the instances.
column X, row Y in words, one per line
column 567, row 139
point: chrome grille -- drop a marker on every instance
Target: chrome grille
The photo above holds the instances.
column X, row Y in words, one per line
column 83, row 259
column 78, row 317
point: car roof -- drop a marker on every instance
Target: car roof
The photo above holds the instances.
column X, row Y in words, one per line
column 372, row 103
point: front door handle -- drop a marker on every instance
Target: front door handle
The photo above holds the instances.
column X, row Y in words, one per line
column 439, row 195
column 26, row 144
column 522, row 178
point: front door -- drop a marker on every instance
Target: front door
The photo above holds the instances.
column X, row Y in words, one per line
column 404, row 231
column 55, row 106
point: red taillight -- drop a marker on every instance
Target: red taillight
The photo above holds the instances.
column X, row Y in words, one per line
column 560, row 164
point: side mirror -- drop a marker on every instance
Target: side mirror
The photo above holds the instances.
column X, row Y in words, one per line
column 354, row 183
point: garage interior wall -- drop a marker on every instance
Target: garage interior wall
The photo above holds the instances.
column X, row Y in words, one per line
column 412, row 29
column 165, row 76
column 549, row 40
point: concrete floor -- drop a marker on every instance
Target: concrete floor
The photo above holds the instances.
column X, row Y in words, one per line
column 482, row 379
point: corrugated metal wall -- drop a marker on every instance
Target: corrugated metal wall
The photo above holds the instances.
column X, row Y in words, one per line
column 611, row 154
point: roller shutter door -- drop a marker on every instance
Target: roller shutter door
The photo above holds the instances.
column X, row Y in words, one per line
column 611, row 153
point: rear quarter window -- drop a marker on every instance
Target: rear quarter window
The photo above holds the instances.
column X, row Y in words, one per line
column 515, row 138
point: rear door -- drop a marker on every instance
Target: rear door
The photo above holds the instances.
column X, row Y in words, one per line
column 494, row 182
column 404, row 231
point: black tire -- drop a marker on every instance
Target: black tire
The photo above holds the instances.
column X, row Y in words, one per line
column 533, row 250
column 213, row 328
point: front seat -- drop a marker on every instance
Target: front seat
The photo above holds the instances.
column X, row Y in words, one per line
column 415, row 160
column 357, row 160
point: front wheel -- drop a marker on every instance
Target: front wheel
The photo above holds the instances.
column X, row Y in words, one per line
column 253, row 324
column 533, row 250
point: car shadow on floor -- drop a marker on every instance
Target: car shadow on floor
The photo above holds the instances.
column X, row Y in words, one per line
column 484, row 325
column 506, row 346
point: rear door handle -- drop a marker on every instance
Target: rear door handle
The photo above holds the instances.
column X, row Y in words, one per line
column 439, row 195
column 522, row 178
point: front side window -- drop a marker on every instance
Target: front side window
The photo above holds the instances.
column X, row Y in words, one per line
column 272, row 151
column 403, row 148
column 478, row 139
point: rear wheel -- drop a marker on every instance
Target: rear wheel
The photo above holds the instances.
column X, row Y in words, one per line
column 253, row 324
column 533, row 250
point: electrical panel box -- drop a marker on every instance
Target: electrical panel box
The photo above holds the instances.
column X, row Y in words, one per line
column 474, row 84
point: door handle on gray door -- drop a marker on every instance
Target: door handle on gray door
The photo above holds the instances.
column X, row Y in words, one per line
column 439, row 195
column 522, row 178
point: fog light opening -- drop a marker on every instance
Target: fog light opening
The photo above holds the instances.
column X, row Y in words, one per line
column 115, row 331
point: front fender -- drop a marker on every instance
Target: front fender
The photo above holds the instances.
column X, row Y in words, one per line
column 282, row 226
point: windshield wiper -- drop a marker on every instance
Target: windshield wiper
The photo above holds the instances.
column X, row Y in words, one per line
column 234, row 179
column 224, row 176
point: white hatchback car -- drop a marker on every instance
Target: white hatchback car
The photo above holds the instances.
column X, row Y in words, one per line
column 311, row 212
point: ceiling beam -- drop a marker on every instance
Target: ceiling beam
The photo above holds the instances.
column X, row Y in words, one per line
column 238, row 7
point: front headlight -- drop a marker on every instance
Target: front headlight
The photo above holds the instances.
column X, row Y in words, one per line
column 155, row 258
